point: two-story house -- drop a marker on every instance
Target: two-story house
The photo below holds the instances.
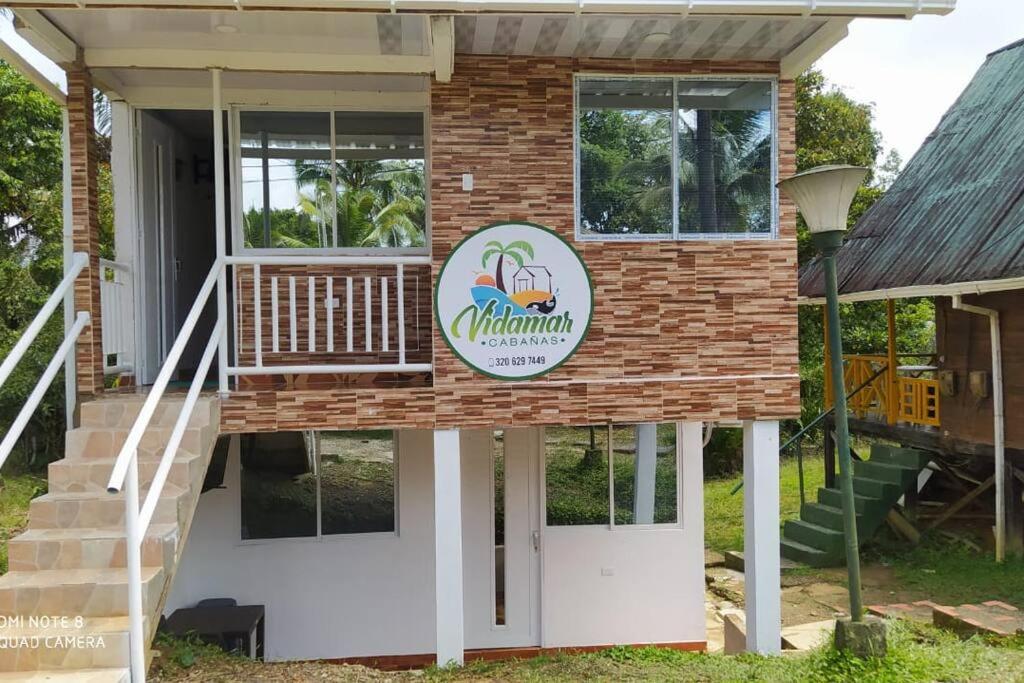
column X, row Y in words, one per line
column 437, row 302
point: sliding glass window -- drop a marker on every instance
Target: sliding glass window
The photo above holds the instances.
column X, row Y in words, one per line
column 318, row 180
column 664, row 158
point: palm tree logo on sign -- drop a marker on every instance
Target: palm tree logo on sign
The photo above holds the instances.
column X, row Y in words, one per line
column 506, row 314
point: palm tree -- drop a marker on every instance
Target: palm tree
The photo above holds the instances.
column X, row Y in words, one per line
column 512, row 250
column 395, row 225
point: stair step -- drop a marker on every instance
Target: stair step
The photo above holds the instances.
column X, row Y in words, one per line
column 891, row 472
column 76, row 592
column 85, row 443
column 91, row 509
column 814, row 536
column 68, row 644
column 799, row 552
column 834, row 498
column 828, row 517
column 93, row 474
column 123, row 411
column 875, row 488
column 119, row 675
column 62, row 548
column 908, row 457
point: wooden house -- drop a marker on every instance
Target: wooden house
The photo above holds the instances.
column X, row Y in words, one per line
column 951, row 228
column 317, row 209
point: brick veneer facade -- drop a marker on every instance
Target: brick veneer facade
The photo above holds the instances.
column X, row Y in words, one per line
column 85, row 226
column 698, row 330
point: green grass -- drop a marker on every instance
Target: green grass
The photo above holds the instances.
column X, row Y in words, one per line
column 916, row 653
column 15, row 493
column 723, row 511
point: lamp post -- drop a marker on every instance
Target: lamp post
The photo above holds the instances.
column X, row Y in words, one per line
column 823, row 195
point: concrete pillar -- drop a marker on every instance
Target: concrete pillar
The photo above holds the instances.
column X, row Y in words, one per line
column 85, row 231
column 644, row 470
column 448, row 547
column 761, row 553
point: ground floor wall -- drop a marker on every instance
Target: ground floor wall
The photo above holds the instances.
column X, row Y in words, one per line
column 364, row 595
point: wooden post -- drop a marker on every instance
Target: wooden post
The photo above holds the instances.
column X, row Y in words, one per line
column 85, row 230
column 893, row 385
column 829, row 389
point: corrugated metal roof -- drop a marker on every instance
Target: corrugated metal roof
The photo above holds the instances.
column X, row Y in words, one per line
column 956, row 213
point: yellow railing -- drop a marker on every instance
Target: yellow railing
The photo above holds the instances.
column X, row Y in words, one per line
column 913, row 400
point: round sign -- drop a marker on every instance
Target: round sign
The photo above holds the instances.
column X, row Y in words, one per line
column 513, row 300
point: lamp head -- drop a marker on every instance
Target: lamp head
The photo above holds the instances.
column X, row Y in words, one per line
column 823, row 195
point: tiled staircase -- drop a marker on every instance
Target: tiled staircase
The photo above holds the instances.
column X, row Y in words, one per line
column 817, row 538
column 69, row 565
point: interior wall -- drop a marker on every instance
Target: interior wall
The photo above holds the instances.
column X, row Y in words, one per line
column 342, row 596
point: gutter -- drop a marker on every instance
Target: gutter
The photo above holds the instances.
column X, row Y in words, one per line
column 955, row 289
column 998, row 420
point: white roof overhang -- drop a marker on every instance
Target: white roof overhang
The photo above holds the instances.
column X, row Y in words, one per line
column 400, row 37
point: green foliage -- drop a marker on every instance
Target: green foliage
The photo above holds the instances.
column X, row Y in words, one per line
column 15, row 493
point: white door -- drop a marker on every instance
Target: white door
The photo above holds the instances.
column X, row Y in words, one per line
column 501, row 538
column 157, row 253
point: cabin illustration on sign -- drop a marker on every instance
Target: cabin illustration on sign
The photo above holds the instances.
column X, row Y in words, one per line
column 334, row 464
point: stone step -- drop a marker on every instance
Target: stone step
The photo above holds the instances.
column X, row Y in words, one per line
column 119, row 675
column 834, row 498
column 68, row 476
column 58, row 548
column 76, row 592
column 122, row 412
column 66, row 644
column 828, row 516
column 91, row 510
column 875, row 488
column 85, row 443
column 908, row 457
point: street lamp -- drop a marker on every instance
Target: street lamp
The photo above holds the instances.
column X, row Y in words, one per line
column 823, row 195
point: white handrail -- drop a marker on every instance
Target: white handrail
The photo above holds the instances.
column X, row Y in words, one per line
column 79, row 261
column 184, row 415
column 52, row 368
column 131, row 444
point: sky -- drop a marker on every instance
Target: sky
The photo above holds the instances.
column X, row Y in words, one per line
column 912, row 71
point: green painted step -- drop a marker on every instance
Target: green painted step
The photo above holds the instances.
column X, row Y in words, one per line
column 805, row 553
column 817, row 538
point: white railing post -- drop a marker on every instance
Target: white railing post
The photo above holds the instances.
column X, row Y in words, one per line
column 218, row 182
column 400, row 293
column 133, row 563
column 257, row 317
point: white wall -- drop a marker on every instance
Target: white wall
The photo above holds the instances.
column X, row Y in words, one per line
column 343, row 596
column 626, row 585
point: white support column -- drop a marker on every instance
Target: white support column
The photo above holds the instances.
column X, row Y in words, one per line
column 644, row 466
column 220, row 208
column 762, row 575
column 448, row 547
column 690, row 438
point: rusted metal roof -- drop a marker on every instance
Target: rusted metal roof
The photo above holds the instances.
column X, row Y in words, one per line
column 956, row 213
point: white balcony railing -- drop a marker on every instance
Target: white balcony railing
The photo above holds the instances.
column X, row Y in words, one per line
column 330, row 314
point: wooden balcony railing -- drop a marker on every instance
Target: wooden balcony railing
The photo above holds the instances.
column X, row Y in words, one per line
column 908, row 397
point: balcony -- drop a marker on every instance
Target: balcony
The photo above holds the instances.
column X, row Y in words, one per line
column 909, row 397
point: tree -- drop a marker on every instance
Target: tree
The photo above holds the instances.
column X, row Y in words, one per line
column 832, row 128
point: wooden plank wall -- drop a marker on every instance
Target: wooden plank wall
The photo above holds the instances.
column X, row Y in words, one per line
column 962, row 341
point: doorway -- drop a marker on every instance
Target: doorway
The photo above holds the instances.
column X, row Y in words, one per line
column 176, row 237
column 501, row 538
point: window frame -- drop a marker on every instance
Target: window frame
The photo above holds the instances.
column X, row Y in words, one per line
column 675, row 235
column 321, row 537
column 234, row 137
column 679, row 524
